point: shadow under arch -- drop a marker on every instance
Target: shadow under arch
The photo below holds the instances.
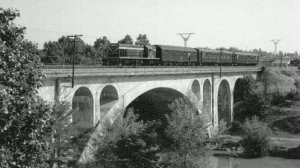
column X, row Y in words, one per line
column 153, row 106
column 207, row 97
column 196, row 88
column 224, row 104
column 108, row 98
column 82, row 106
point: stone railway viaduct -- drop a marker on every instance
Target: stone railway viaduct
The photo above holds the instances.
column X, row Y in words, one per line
column 100, row 93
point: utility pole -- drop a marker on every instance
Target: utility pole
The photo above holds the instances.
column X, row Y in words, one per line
column 220, row 62
column 75, row 37
column 185, row 37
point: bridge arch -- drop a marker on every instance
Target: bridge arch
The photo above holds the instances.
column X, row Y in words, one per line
column 196, row 88
column 82, row 105
column 242, row 89
column 224, row 102
column 238, row 91
column 153, row 106
column 108, row 98
column 207, row 97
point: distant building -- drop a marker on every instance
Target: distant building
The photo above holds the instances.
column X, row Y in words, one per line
column 283, row 62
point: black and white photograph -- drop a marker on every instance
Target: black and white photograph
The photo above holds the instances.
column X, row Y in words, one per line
column 149, row 84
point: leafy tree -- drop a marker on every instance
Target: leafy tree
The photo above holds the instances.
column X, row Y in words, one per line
column 62, row 51
column 66, row 141
column 142, row 40
column 234, row 49
column 101, row 46
column 53, row 53
column 243, row 88
column 295, row 62
column 127, row 143
column 25, row 119
column 188, row 130
column 126, row 40
column 255, row 140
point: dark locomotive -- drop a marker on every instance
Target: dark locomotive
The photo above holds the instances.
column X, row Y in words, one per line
column 163, row 55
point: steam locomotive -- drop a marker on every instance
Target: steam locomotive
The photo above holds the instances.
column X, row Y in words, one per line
column 164, row 55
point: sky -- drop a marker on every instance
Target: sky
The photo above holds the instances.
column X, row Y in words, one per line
column 245, row 24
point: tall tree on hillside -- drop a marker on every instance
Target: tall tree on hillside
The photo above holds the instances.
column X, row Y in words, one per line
column 126, row 40
column 101, row 46
column 142, row 40
column 25, row 119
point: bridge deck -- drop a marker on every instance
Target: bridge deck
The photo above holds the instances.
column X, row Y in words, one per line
column 129, row 71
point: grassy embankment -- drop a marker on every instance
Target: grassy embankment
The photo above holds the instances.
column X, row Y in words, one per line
column 284, row 117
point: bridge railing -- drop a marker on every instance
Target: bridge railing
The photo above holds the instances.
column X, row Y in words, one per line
column 150, row 70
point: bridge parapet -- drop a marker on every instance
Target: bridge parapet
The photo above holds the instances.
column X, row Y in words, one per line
column 135, row 71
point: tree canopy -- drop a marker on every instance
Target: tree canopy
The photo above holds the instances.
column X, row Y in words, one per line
column 126, row 40
column 62, row 50
column 142, row 40
column 25, row 119
column 101, row 46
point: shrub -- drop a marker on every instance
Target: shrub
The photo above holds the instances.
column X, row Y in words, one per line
column 253, row 105
column 297, row 83
column 188, row 130
column 256, row 138
column 278, row 99
column 236, row 128
column 127, row 143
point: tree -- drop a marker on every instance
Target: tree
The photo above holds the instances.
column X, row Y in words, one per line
column 126, row 40
column 235, row 49
column 127, row 143
column 61, row 52
column 188, row 130
column 256, row 139
column 142, row 40
column 53, row 53
column 101, row 46
column 25, row 119
column 66, row 141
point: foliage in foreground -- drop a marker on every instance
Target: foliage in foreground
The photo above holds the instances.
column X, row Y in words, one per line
column 25, row 119
column 127, row 143
column 256, row 138
column 188, row 131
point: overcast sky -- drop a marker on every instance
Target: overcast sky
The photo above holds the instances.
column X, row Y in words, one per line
column 245, row 24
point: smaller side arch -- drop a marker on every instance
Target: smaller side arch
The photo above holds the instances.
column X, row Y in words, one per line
column 108, row 97
column 207, row 97
column 196, row 88
column 82, row 105
column 224, row 102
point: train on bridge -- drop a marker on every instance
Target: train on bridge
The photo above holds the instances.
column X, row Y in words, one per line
column 164, row 55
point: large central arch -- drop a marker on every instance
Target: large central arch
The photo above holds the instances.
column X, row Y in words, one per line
column 224, row 104
column 82, row 106
column 153, row 106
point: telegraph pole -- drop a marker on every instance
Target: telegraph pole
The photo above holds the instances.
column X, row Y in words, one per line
column 220, row 62
column 75, row 37
column 185, row 37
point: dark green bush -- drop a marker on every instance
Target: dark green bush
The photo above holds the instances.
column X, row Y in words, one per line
column 188, row 130
column 278, row 99
column 255, row 138
column 236, row 128
column 253, row 105
column 127, row 143
column 293, row 95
